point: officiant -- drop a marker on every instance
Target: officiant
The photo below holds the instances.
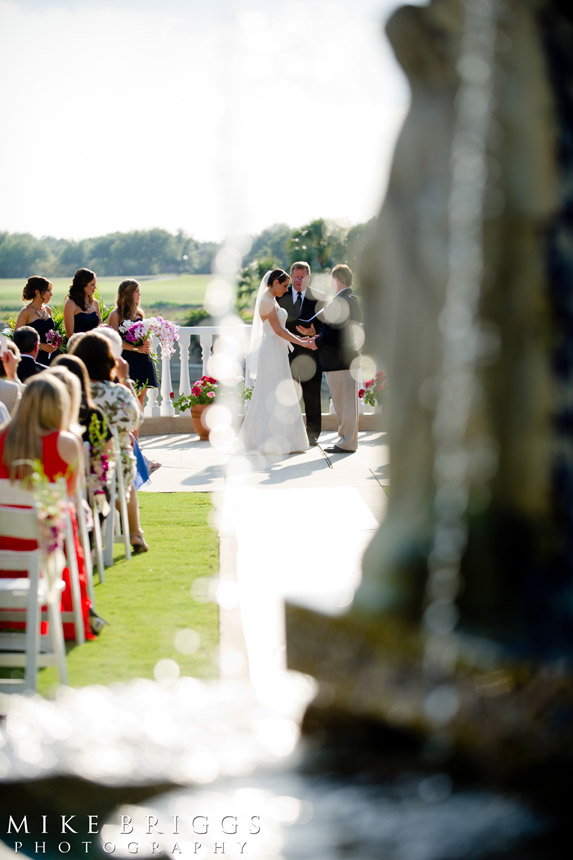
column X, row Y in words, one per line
column 338, row 337
column 301, row 302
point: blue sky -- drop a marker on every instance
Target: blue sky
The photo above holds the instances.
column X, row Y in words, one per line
column 216, row 118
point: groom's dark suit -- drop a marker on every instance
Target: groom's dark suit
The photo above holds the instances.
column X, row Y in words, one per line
column 338, row 346
column 304, row 363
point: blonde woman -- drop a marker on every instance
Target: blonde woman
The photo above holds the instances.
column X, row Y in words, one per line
column 122, row 411
column 40, row 431
column 38, row 314
column 127, row 309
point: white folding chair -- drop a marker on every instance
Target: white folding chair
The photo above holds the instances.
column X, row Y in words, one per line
column 21, row 600
column 15, row 494
column 76, row 614
column 97, row 535
column 79, row 500
column 116, row 529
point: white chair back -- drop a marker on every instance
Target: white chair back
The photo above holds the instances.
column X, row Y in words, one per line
column 35, row 581
column 114, row 532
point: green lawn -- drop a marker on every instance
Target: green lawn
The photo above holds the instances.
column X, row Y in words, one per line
column 148, row 601
column 162, row 291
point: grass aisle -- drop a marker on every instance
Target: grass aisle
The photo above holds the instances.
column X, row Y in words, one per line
column 148, row 601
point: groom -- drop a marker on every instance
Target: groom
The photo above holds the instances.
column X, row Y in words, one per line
column 337, row 344
column 301, row 303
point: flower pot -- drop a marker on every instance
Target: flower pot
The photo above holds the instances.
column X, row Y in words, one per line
column 199, row 426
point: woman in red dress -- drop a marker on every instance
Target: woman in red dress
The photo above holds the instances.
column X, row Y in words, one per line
column 39, row 432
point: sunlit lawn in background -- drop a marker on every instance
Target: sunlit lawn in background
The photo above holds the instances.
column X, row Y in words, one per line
column 163, row 290
column 148, row 601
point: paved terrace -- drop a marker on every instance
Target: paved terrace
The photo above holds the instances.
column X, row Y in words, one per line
column 291, row 527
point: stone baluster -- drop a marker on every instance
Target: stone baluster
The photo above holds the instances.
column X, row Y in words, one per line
column 184, row 343
column 151, row 405
column 151, row 408
column 206, row 340
column 166, row 386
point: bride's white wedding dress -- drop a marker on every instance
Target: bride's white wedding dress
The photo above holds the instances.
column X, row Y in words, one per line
column 273, row 422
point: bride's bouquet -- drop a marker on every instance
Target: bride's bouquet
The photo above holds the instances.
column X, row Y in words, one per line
column 138, row 331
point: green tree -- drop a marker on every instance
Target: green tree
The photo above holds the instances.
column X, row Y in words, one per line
column 320, row 243
column 272, row 243
column 355, row 241
column 21, row 255
column 248, row 284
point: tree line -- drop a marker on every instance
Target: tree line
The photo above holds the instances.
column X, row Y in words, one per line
column 151, row 252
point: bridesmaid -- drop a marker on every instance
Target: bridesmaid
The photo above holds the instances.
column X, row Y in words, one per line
column 38, row 314
column 141, row 366
column 81, row 310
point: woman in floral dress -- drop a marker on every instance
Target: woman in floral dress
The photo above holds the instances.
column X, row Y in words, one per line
column 122, row 411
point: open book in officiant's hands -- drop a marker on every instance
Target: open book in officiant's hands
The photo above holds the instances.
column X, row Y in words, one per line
column 308, row 332
column 305, row 322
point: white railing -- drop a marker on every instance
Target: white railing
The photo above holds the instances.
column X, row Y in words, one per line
column 207, row 336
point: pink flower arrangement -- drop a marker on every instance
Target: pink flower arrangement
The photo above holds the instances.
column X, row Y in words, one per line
column 54, row 338
column 372, row 391
column 137, row 332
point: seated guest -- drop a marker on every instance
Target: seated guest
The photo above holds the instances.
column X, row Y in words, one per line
column 88, row 409
column 39, row 431
column 122, row 411
column 27, row 340
column 74, row 390
column 145, row 466
column 10, row 386
column 71, row 340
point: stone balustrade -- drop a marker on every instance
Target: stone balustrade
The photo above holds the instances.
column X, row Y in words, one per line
column 158, row 401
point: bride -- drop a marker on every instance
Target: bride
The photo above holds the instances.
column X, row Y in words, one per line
column 273, row 423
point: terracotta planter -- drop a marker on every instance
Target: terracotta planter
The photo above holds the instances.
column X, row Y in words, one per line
column 200, row 428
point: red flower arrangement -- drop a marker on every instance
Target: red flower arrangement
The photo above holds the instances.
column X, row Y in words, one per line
column 372, row 391
column 203, row 392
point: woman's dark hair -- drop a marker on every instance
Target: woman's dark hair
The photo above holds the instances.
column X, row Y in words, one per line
column 95, row 352
column 278, row 275
column 75, row 365
column 33, row 284
column 76, row 291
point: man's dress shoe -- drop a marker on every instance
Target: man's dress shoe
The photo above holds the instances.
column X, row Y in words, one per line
column 334, row 449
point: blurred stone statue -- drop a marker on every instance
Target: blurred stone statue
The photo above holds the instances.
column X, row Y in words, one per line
column 514, row 453
column 464, row 617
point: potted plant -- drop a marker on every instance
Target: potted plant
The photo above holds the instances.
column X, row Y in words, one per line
column 203, row 394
